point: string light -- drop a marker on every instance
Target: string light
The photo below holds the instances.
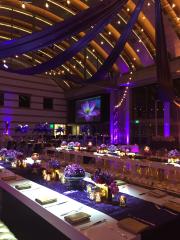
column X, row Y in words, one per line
column 47, row 5
column 125, row 91
column 23, row 5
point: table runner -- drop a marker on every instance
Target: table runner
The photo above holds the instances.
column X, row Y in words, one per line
column 135, row 207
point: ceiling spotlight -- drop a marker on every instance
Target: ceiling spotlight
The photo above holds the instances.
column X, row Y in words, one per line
column 102, row 42
column 16, row 56
column 47, row 5
column 119, row 22
column 4, row 61
column 173, row 5
column 68, row 2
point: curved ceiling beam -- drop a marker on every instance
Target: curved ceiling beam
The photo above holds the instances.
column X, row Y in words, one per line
column 172, row 15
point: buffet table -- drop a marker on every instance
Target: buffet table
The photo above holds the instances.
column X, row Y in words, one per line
column 140, row 206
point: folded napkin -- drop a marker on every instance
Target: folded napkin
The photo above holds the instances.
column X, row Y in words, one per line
column 120, row 182
column 23, row 186
column 3, row 228
column 172, row 206
column 77, row 217
column 9, row 178
column 7, row 236
column 132, row 225
column 157, row 193
column 46, row 200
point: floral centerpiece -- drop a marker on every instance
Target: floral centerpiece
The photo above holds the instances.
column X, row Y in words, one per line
column 74, row 174
column 10, row 155
column 70, row 145
column 112, row 149
column 102, row 148
column 77, row 146
column 63, row 144
column 73, row 171
column 107, row 183
column 174, row 156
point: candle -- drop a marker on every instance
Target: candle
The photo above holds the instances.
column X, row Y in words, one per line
column 122, row 201
column 44, row 172
column 92, row 195
column 63, row 180
column 48, row 178
column 98, row 197
column 89, row 188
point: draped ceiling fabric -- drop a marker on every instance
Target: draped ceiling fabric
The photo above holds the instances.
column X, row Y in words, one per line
column 162, row 63
column 100, row 74
column 59, row 31
column 102, row 71
column 74, row 49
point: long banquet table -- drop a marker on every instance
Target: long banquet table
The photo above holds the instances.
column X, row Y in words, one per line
column 139, row 205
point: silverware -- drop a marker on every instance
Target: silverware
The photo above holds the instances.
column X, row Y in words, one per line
column 74, row 210
column 160, row 208
column 143, row 193
column 144, row 221
column 93, row 224
column 55, row 204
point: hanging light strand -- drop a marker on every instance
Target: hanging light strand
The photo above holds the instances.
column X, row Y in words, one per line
column 125, row 93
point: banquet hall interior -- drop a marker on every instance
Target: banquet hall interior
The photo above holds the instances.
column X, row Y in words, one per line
column 89, row 119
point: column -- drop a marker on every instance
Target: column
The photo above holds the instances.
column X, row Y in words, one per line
column 120, row 118
column 167, row 124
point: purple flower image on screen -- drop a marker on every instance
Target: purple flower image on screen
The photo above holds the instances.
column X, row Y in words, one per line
column 89, row 110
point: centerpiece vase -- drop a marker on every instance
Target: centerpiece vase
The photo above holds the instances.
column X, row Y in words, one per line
column 74, row 183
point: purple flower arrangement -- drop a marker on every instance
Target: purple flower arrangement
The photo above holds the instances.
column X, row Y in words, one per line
column 113, row 187
column 10, row 154
column 102, row 177
column 174, row 153
column 71, row 145
column 112, row 148
column 74, row 170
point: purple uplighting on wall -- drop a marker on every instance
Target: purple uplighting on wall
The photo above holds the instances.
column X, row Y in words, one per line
column 166, row 119
column 127, row 123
